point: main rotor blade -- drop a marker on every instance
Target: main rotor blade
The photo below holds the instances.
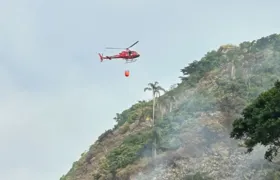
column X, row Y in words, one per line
column 133, row 44
column 122, row 48
column 113, row 48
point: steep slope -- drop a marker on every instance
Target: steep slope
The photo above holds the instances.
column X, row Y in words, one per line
column 193, row 120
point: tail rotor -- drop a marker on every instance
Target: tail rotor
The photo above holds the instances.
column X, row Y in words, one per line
column 101, row 57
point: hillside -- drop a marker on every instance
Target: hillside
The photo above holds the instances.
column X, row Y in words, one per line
column 192, row 123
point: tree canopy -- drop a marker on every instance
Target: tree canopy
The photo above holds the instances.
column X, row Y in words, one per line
column 260, row 122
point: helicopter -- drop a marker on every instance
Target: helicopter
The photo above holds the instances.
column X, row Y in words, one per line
column 128, row 55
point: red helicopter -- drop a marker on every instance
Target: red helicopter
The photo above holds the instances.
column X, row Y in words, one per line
column 128, row 55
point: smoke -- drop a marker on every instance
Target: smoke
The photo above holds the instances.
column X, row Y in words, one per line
column 214, row 154
column 205, row 143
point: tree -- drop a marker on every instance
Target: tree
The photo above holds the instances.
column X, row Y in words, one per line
column 118, row 117
column 155, row 88
column 145, row 111
column 261, row 123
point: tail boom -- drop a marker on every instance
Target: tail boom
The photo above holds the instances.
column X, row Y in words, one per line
column 106, row 57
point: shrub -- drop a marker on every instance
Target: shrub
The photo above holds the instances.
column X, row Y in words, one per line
column 128, row 151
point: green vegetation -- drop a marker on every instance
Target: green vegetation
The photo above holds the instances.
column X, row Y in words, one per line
column 129, row 151
column 139, row 111
column 261, row 122
column 197, row 69
column 227, row 81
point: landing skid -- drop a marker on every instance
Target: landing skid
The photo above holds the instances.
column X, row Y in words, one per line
column 132, row 61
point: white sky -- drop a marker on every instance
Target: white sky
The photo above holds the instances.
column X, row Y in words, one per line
column 56, row 98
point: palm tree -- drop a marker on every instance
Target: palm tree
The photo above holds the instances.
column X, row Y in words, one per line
column 155, row 88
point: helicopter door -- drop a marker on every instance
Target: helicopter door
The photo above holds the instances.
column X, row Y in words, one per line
column 129, row 53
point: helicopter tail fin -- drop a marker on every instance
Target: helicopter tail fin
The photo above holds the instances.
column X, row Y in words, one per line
column 101, row 57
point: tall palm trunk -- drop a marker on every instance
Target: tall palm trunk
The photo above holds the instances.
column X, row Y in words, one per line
column 154, row 102
column 154, row 150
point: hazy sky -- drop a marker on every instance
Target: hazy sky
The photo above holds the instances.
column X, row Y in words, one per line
column 56, row 97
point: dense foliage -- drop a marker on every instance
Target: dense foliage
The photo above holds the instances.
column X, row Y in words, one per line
column 197, row 69
column 129, row 151
column 139, row 111
column 261, row 122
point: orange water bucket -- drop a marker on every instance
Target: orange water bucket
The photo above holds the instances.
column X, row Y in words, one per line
column 126, row 73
